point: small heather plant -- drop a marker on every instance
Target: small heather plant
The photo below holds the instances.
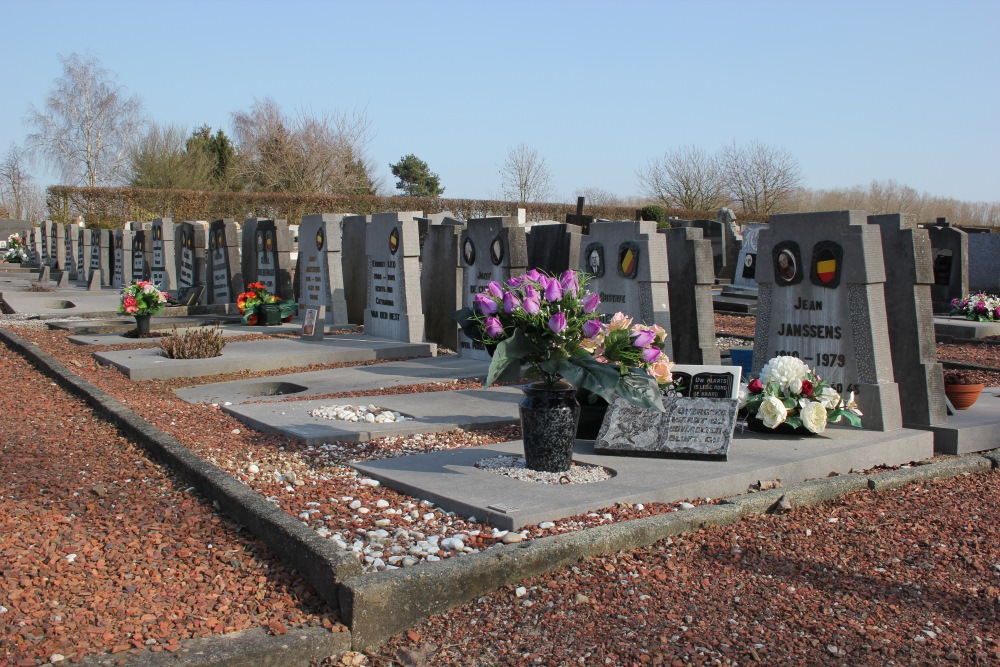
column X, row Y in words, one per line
column 193, row 344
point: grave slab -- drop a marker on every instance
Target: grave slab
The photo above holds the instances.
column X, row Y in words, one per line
column 432, row 412
column 451, row 480
column 974, row 430
column 357, row 378
column 149, row 364
column 956, row 326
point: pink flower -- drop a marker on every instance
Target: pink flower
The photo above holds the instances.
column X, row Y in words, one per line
column 530, row 292
column 557, row 323
column 534, row 275
column 651, row 354
column 486, row 304
column 495, row 289
column 531, row 305
column 515, row 281
column 130, row 304
column 570, row 282
column 591, row 328
column 643, row 338
column 493, row 327
column 553, row 291
column 510, row 303
column 590, row 303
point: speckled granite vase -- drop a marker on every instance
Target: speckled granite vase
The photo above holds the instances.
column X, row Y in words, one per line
column 549, row 416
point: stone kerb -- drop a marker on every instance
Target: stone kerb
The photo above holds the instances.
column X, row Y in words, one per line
column 223, row 266
column 441, row 281
column 489, row 249
column 984, row 263
column 950, row 249
column 321, row 273
column 160, row 255
column 821, row 281
column 908, row 277
column 629, row 269
column 394, row 304
column 692, row 325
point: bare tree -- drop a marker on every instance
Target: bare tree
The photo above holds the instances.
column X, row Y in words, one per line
column 160, row 159
column 19, row 196
column 686, row 177
column 524, row 176
column 598, row 196
column 325, row 154
column 88, row 124
column 760, row 178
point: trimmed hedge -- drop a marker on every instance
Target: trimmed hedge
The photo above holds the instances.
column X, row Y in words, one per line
column 112, row 207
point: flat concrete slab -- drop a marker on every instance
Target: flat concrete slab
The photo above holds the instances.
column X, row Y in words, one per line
column 958, row 327
column 68, row 302
column 107, row 331
column 263, row 355
column 974, row 430
column 451, row 480
column 335, row 381
column 432, row 412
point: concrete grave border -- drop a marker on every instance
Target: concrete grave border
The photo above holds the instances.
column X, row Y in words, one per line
column 378, row 606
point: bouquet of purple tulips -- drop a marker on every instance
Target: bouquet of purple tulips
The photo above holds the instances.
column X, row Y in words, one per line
column 549, row 323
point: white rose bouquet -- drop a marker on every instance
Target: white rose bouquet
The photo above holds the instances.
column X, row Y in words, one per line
column 788, row 392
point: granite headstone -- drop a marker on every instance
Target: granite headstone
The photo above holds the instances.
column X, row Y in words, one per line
column 950, row 252
column 441, row 282
column 321, row 273
column 746, row 263
column 190, row 243
column 225, row 280
column 984, row 263
column 393, row 247
column 140, row 244
column 160, row 255
column 270, row 260
column 121, row 271
column 692, row 325
column 553, row 248
column 354, row 262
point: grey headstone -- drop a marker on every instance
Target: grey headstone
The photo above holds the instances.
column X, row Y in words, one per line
column 140, row 246
column 984, row 263
column 45, row 252
column 57, row 249
column 950, row 253
column 160, row 255
column 321, row 273
column 82, row 253
column 489, row 249
column 746, row 262
column 190, row 243
column 692, row 324
column 355, row 266
column 553, row 248
column 821, row 281
column 629, row 270
column 270, row 259
column 730, row 243
column 102, row 249
column 441, row 282
column 909, row 273
column 394, row 308
column 69, row 243
column 33, row 246
column 44, row 274
column 121, row 271
column 688, row 427
column 225, row 280
column 313, row 323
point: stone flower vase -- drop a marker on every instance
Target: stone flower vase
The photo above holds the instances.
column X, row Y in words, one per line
column 142, row 324
column 962, row 396
column 549, row 416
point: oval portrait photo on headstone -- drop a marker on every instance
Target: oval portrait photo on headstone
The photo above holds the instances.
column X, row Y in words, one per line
column 469, row 252
column 594, row 256
column 496, row 251
column 787, row 263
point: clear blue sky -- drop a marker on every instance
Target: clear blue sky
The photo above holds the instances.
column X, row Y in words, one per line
column 907, row 90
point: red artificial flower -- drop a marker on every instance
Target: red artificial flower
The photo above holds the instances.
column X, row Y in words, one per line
column 252, row 319
column 755, row 386
column 807, row 388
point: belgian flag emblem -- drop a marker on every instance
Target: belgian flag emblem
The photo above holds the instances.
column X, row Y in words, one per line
column 628, row 260
column 319, row 239
column 826, row 267
column 828, row 261
column 394, row 240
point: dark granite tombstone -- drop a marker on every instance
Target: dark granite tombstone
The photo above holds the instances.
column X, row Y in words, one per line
column 746, row 262
column 553, row 248
column 822, row 299
column 984, row 263
column 489, row 249
column 190, row 240
column 441, row 282
column 692, row 325
column 269, row 261
column 33, row 246
column 580, row 220
column 908, row 277
column 950, row 253
column 57, row 251
column 393, row 246
column 160, row 256
column 45, row 256
column 102, row 253
column 354, row 261
column 627, row 262
column 69, row 244
column 321, row 274
column 140, row 244
column 224, row 279
column 121, row 269
column 82, row 253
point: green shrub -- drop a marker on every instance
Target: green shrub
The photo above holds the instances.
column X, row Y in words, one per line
column 193, row 344
column 653, row 212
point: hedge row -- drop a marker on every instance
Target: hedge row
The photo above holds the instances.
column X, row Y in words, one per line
column 112, row 207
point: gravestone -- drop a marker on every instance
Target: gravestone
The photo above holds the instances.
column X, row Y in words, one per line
column 82, row 253
column 746, row 263
column 687, row 428
column 269, row 262
column 950, row 252
column 140, row 244
column 984, row 263
column 69, row 242
column 730, row 243
column 121, row 271
column 354, row 262
column 628, row 265
column 441, row 282
column 489, row 249
column 57, row 251
column 579, row 219
column 102, row 249
column 692, row 326
column 313, row 323
column 393, row 247
column 320, row 273
column 225, row 280
column 190, row 241
column 160, row 255
column 821, row 282
column 909, row 273
column 32, row 247
column 44, row 254
column 553, row 248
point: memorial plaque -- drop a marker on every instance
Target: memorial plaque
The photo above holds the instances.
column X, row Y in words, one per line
column 312, row 324
column 822, row 300
column 635, row 281
column 746, row 264
column 57, row 251
column 160, row 255
column 82, row 253
column 225, row 281
column 699, row 381
column 393, row 247
column 490, row 249
column 43, row 244
column 190, row 242
column 688, row 428
column 320, row 273
column 100, row 240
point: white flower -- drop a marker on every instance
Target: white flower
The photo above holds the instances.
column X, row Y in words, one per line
column 829, row 397
column 784, row 370
column 742, row 395
column 813, row 415
column 772, row 412
column 795, row 386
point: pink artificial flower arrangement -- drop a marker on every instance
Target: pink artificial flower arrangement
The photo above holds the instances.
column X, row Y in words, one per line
column 142, row 298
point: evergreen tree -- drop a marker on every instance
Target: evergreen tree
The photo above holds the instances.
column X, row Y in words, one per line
column 415, row 177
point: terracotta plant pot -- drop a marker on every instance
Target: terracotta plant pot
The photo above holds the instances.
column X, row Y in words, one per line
column 962, row 396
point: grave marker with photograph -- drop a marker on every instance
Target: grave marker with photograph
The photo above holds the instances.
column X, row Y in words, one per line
column 320, row 273
column 225, row 281
column 950, row 252
column 189, row 248
column 160, row 255
column 393, row 247
column 121, row 270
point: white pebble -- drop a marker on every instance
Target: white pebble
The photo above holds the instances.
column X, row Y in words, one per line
column 686, row 506
column 235, row 431
column 355, row 504
column 367, row 481
column 71, row 557
column 520, row 591
column 253, row 469
column 382, row 503
column 545, row 525
column 429, row 516
column 57, row 657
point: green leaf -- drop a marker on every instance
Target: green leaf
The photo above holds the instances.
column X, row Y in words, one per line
column 641, row 390
column 850, row 416
column 789, row 403
column 794, row 421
